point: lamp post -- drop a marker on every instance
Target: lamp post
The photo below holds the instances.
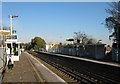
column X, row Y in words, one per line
column 11, row 27
column 11, row 17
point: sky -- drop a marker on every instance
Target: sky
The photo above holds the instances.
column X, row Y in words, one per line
column 57, row 21
column 58, row 0
column 0, row 13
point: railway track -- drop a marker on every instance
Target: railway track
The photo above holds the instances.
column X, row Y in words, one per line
column 82, row 74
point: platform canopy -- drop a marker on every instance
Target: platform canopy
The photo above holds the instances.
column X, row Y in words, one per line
column 70, row 39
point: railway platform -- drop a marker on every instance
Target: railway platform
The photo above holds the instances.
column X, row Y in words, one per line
column 29, row 69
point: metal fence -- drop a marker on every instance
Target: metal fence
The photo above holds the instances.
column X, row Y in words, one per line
column 91, row 51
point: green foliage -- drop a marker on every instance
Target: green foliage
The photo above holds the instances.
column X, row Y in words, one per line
column 37, row 43
column 27, row 46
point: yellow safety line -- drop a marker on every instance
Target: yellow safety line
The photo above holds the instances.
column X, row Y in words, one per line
column 40, row 79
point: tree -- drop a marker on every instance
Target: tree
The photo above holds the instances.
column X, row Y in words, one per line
column 27, row 46
column 92, row 41
column 37, row 43
column 82, row 38
column 113, row 22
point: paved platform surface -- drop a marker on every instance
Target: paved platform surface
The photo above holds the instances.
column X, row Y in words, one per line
column 29, row 69
column 46, row 75
column 21, row 72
